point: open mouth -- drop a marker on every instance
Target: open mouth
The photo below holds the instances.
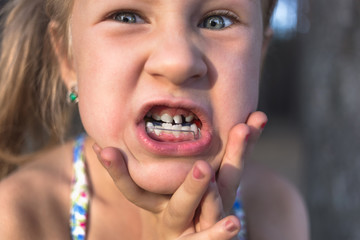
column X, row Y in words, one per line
column 165, row 124
column 174, row 128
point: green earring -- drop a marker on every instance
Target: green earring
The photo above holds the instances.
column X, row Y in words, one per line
column 72, row 95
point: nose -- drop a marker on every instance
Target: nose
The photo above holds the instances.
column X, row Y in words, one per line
column 176, row 57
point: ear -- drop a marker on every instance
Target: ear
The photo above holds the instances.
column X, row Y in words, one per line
column 268, row 34
column 62, row 54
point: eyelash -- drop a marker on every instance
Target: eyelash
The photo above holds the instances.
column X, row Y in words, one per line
column 113, row 15
column 221, row 13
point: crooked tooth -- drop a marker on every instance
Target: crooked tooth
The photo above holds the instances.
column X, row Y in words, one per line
column 156, row 117
column 189, row 118
column 177, row 119
column 166, row 118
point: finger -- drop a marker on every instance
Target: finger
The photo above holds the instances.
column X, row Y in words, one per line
column 211, row 208
column 226, row 229
column 113, row 161
column 257, row 122
column 184, row 202
column 232, row 165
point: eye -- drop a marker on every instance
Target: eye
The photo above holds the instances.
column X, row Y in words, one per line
column 219, row 20
column 127, row 17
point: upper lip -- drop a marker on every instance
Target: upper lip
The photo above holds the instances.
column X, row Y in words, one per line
column 187, row 104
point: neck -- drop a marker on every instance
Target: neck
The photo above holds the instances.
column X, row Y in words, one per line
column 102, row 185
column 107, row 199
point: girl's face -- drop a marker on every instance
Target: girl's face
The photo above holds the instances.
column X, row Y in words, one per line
column 180, row 64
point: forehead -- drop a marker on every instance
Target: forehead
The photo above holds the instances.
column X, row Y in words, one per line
column 157, row 2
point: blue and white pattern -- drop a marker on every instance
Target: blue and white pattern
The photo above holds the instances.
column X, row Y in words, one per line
column 80, row 196
column 239, row 212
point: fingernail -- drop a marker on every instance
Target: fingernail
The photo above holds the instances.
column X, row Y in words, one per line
column 97, row 151
column 247, row 137
column 230, row 226
column 197, row 173
column 106, row 163
column 263, row 125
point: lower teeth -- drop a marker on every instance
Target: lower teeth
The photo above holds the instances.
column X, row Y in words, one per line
column 175, row 130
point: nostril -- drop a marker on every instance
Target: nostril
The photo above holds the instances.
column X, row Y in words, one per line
column 177, row 62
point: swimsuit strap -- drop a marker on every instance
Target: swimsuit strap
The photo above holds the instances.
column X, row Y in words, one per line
column 80, row 195
column 238, row 211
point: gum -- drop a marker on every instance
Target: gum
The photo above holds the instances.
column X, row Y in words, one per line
column 170, row 137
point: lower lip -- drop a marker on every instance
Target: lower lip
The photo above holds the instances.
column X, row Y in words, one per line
column 187, row 148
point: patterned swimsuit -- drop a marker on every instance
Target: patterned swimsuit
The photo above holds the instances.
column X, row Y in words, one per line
column 80, row 196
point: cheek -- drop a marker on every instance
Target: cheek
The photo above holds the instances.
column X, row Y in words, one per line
column 239, row 89
column 234, row 104
column 235, row 93
column 105, row 86
column 103, row 100
column 101, row 116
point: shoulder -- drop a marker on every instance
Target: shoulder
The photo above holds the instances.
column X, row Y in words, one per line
column 274, row 208
column 36, row 197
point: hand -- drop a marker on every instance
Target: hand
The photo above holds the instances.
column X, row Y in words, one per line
column 241, row 141
column 220, row 197
column 196, row 208
column 170, row 217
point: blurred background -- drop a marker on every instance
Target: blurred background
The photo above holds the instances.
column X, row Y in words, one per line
column 310, row 91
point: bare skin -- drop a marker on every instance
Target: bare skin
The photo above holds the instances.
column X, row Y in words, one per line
column 18, row 212
column 127, row 63
column 274, row 209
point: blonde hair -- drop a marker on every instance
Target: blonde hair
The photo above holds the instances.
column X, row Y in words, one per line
column 268, row 8
column 32, row 95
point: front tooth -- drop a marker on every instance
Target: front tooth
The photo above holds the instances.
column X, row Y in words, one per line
column 167, row 126
column 189, row 118
column 177, row 119
column 156, row 117
column 166, row 118
column 177, row 129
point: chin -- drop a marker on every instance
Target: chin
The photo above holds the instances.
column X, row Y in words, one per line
column 163, row 177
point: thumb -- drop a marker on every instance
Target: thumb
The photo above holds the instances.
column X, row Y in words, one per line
column 113, row 161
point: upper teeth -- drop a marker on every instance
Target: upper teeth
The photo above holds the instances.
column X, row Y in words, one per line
column 177, row 119
column 172, row 124
column 166, row 118
column 189, row 118
column 155, row 116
